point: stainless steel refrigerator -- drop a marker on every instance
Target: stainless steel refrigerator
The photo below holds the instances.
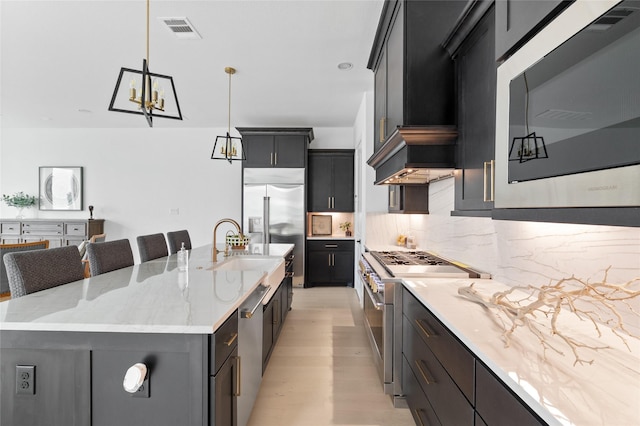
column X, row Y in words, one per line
column 273, row 210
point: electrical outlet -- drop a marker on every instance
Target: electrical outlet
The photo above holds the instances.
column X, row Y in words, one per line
column 143, row 390
column 25, row 379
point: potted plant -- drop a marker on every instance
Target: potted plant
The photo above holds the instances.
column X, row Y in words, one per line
column 19, row 200
column 346, row 227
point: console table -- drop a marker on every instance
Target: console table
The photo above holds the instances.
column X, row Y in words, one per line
column 59, row 232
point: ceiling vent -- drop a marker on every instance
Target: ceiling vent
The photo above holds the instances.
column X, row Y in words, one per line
column 559, row 114
column 180, row 27
column 609, row 19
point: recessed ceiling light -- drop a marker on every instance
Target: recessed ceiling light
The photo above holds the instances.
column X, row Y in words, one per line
column 344, row 66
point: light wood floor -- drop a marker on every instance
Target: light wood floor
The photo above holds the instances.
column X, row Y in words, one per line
column 321, row 371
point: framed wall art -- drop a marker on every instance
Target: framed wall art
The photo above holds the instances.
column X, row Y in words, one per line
column 320, row 224
column 60, row 188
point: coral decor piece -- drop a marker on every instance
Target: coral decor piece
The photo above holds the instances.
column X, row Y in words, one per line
column 598, row 303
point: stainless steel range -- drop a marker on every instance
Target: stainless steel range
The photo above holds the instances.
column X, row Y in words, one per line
column 381, row 273
column 423, row 264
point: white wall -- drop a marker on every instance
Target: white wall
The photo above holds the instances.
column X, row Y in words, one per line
column 134, row 178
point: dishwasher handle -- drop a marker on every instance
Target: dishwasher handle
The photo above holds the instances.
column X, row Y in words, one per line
column 255, row 299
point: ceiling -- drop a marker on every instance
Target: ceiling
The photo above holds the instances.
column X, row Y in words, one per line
column 60, row 61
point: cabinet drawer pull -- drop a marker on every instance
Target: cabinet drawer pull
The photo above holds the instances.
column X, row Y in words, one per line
column 425, row 328
column 418, row 416
column 231, row 339
column 424, row 372
column 330, row 246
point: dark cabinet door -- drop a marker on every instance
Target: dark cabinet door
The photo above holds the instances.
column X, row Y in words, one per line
column 395, row 73
column 289, row 151
column 476, row 75
column 343, row 186
column 319, row 183
column 318, row 267
column 267, row 333
column 225, row 389
column 258, row 150
column 517, row 21
column 343, row 265
column 331, row 181
column 380, row 101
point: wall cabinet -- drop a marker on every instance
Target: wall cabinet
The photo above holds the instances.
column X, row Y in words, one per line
column 58, row 232
column 275, row 147
column 476, row 80
column 443, row 380
column 409, row 199
column 413, row 80
column 330, row 262
column 517, row 21
column 330, row 181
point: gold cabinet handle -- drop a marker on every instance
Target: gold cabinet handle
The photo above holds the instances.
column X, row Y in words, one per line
column 489, row 195
column 382, row 120
column 231, row 339
column 275, row 156
column 425, row 328
column 238, row 387
column 424, row 372
column 271, row 159
column 418, row 416
column 328, row 202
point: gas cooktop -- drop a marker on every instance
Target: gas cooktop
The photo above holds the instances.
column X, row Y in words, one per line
column 421, row 264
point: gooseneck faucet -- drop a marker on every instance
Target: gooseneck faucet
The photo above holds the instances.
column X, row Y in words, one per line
column 215, row 251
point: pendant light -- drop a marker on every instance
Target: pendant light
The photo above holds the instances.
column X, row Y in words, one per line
column 146, row 92
column 228, row 147
column 531, row 146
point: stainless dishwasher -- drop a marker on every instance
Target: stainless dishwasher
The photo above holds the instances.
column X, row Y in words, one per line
column 250, row 352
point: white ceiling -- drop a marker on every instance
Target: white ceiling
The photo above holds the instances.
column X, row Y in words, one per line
column 60, row 60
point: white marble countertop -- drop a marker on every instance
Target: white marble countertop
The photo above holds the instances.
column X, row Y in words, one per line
column 606, row 392
column 152, row 297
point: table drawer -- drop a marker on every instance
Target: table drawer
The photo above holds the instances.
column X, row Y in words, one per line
column 10, row 228
column 448, row 402
column 452, row 354
column 224, row 340
column 79, row 229
column 42, row 228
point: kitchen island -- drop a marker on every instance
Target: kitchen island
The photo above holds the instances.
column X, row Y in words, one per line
column 83, row 336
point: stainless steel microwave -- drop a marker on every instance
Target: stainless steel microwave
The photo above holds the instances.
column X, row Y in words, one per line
column 568, row 112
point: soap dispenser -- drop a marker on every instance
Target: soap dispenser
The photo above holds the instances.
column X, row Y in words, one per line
column 183, row 259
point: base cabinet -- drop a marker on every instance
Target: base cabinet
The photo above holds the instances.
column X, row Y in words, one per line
column 58, row 232
column 274, row 314
column 330, row 262
column 445, row 383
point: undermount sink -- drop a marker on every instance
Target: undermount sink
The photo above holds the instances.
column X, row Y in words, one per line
column 272, row 265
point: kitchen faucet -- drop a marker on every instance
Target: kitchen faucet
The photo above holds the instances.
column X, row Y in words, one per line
column 226, row 247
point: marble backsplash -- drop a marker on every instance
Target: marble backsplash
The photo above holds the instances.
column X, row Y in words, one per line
column 515, row 253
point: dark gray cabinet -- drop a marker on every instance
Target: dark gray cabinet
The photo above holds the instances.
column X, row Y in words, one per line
column 275, row 147
column 445, row 383
column 414, row 79
column 330, row 185
column 476, row 82
column 409, row 199
column 330, row 262
column 274, row 314
column 517, row 21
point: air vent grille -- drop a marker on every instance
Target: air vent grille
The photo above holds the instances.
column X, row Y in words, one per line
column 180, row 27
column 609, row 19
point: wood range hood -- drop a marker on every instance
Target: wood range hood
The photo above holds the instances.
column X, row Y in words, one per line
column 415, row 155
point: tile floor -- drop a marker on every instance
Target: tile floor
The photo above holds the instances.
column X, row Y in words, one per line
column 321, row 371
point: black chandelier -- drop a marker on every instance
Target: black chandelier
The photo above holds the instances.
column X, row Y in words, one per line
column 228, row 147
column 151, row 100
